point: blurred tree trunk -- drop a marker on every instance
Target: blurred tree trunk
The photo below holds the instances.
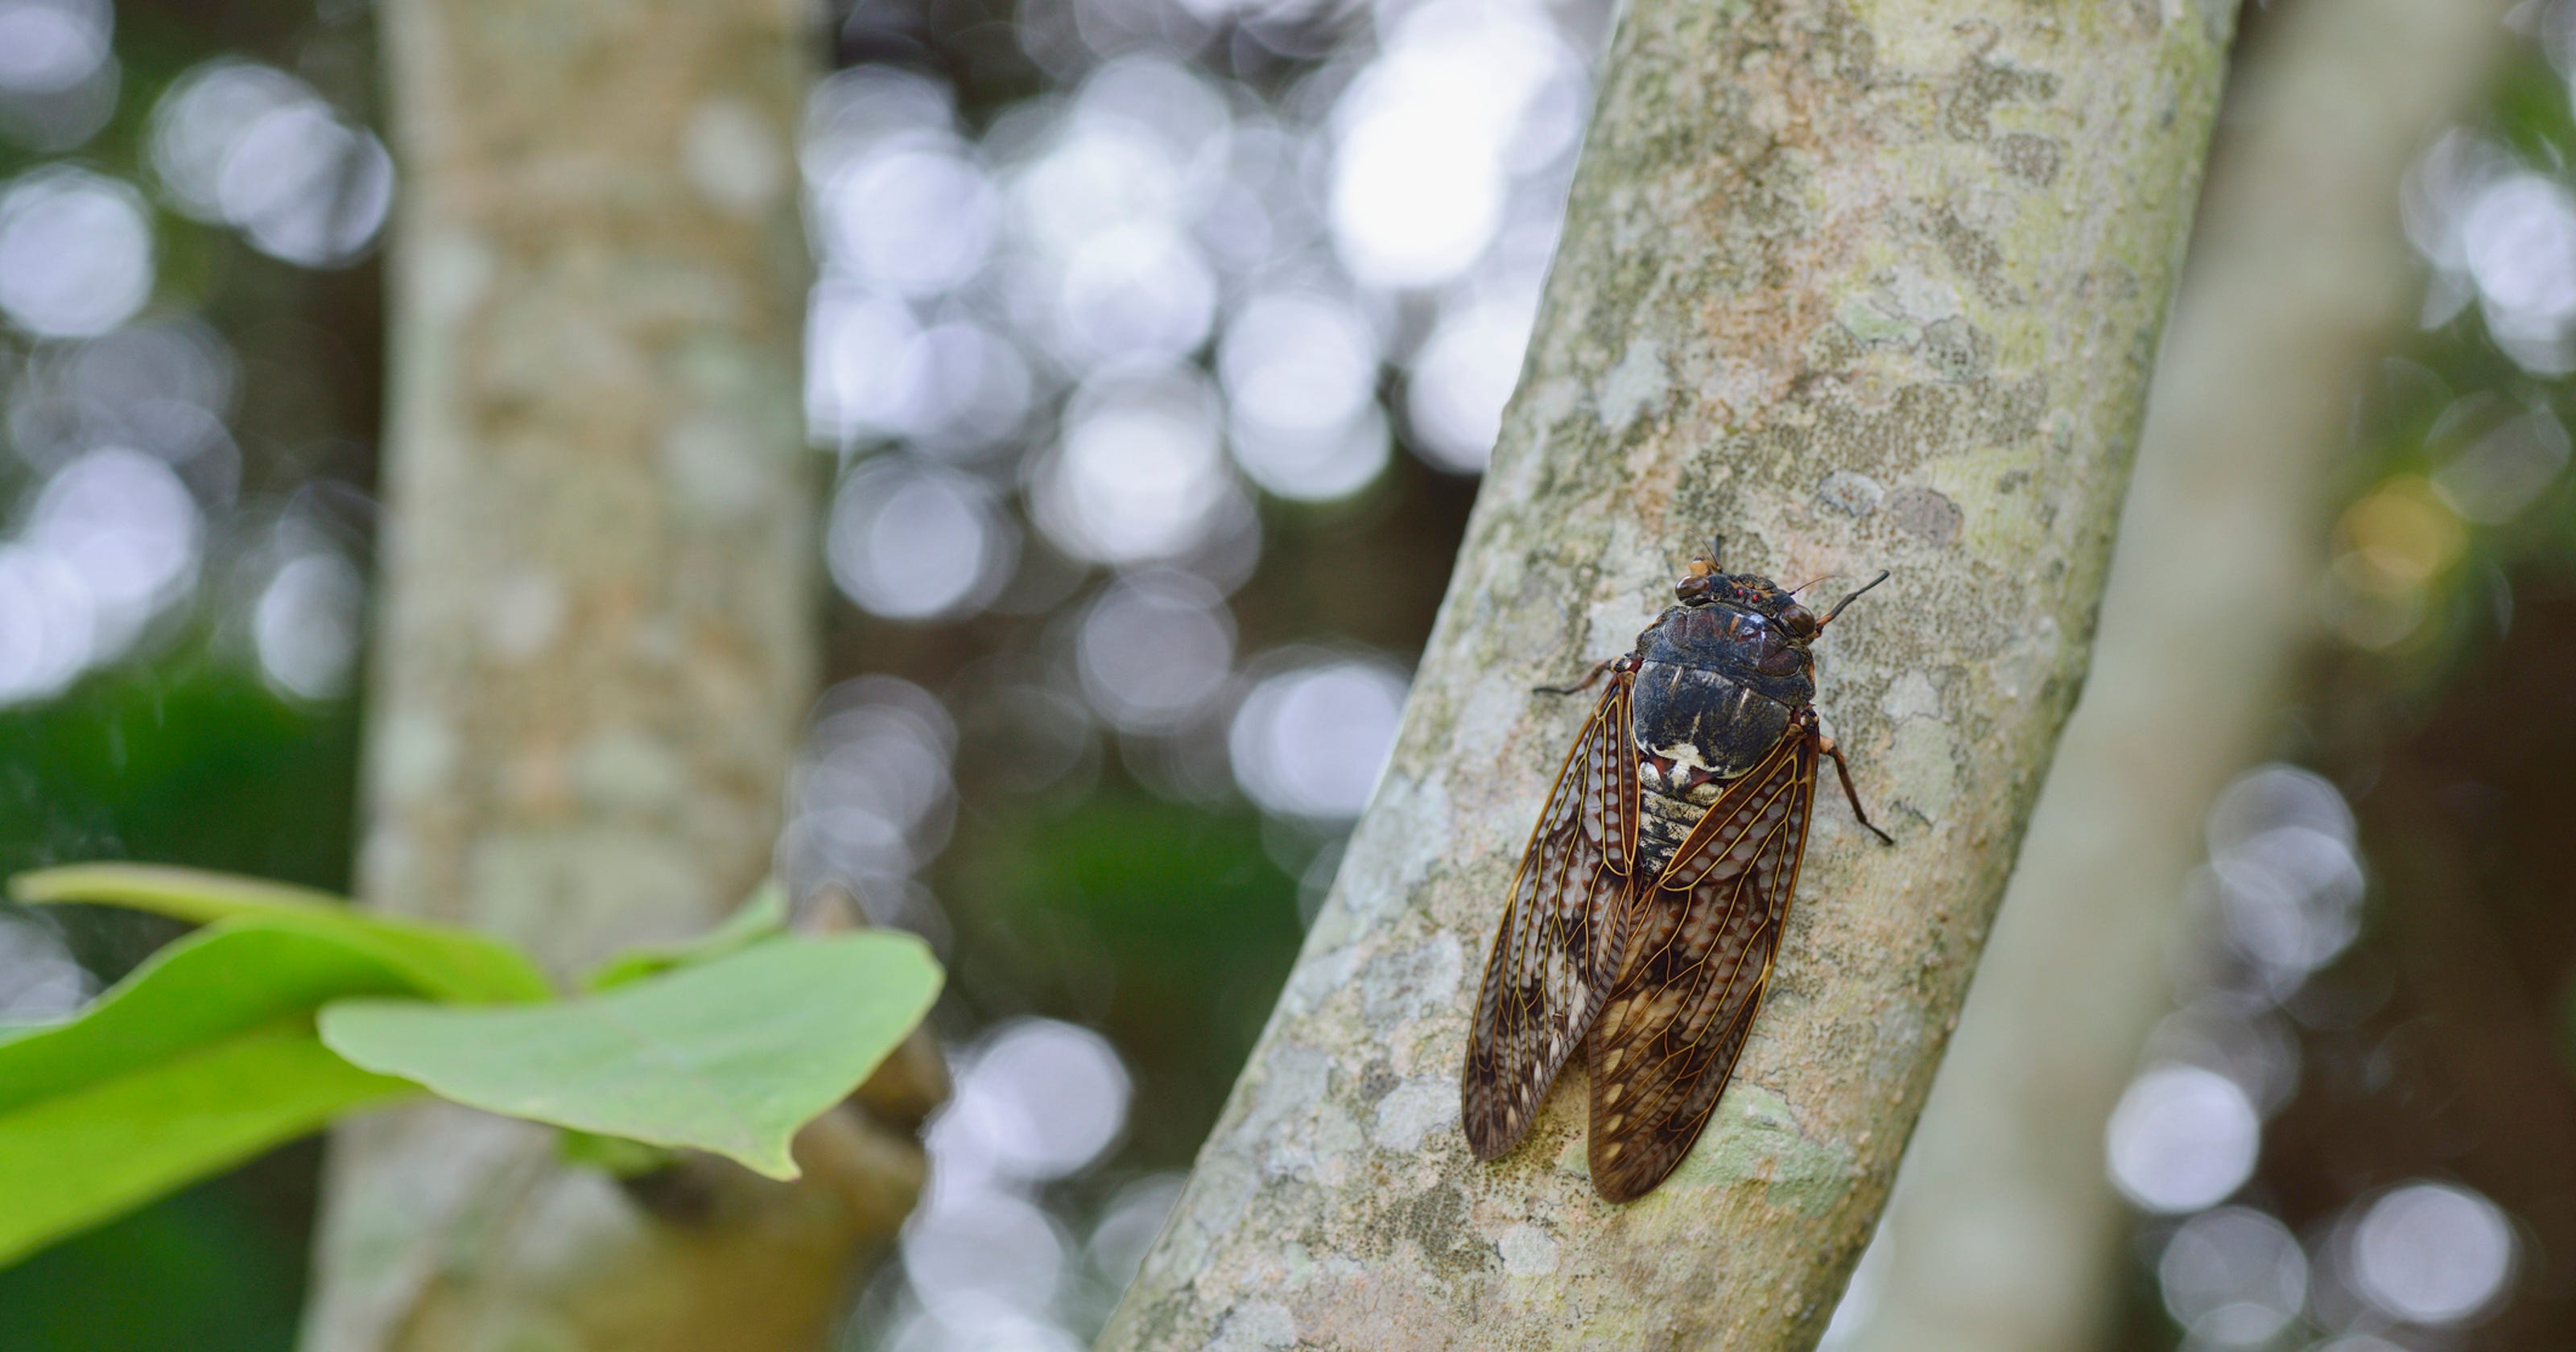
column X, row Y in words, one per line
column 2003, row 1233
column 1859, row 286
column 597, row 643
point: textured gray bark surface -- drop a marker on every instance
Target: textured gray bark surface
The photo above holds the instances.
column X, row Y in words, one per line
column 1867, row 285
column 2003, row 1233
column 596, row 641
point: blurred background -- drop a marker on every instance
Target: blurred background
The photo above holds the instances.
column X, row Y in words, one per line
column 1158, row 345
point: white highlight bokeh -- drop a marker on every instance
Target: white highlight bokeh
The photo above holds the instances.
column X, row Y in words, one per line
column 2285, row 870
column 1153, row 649
column 2182, row 1138
column 2237, row 1265
column 916, row 215
column 1462, row 378
column 50, row 46
column 1139, row 474
column 871, row 797
column 75, row 253
column 248, row 145
column 2432, row 1253
column 1300, row 372
column 305, row 626
column 1038, row 1099
column 1311, row 740
column 1422, row 173
column 917, row 542
column 128, row 530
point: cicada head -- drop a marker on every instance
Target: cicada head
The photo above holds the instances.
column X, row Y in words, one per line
column 1706, row 583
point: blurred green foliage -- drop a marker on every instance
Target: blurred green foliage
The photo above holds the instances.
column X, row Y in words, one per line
column 185, row 759
column 186, row 755
column 216, row 1268
column 1164, row 925
column 190, row 760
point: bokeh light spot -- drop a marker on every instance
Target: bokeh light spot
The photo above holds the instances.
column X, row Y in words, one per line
column 2493, row 478
column 305, row 187
column 253, row 147
column 48, row 624
column 2182, row 1138
column 1310, row 741
column 915, row 542
column 75, row 253
column 872, row 796
column 917, row 217
column 49, row 46
column 1039, row 1099
column 1461, row 379
column 2432, row 1253
column 1139, row 474
column 128, row 529
column 2238, row 1261
column 306, row 625
column 1153, row 649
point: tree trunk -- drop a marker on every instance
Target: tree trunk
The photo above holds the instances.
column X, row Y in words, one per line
column 2002, row 1235
column 597, row 642
column 1860, row 286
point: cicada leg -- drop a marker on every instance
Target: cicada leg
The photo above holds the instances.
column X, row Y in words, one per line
column 1842, row 769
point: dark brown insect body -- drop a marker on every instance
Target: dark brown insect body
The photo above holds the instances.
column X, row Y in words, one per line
column 1652, row 895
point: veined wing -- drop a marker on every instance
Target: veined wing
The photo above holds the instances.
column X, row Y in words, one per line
column 1561, row 934
column 1698, row 959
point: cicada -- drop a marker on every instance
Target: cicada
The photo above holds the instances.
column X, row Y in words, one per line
column 1650, row 900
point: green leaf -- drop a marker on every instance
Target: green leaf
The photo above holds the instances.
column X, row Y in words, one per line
column 761, row 916
column 446, row 961
column 200, row 1058
column 71, row 1160
column 729, row 1056
column 182, row 893
column 220, row 982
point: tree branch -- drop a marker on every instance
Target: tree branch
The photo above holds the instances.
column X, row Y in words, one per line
column 1860, row 286
column 596, row 647
column 2003, row 1232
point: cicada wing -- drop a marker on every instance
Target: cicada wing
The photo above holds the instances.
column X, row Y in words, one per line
column 1561, row 935
column 1698, row 960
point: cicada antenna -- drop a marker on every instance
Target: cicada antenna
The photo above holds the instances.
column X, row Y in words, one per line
column 1838, row 605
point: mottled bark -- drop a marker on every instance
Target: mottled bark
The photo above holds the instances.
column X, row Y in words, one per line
column 597, row 641
column 2003, row 1233
column 1861, row 285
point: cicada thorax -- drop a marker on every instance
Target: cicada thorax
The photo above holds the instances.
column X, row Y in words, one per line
column 1717, row 687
